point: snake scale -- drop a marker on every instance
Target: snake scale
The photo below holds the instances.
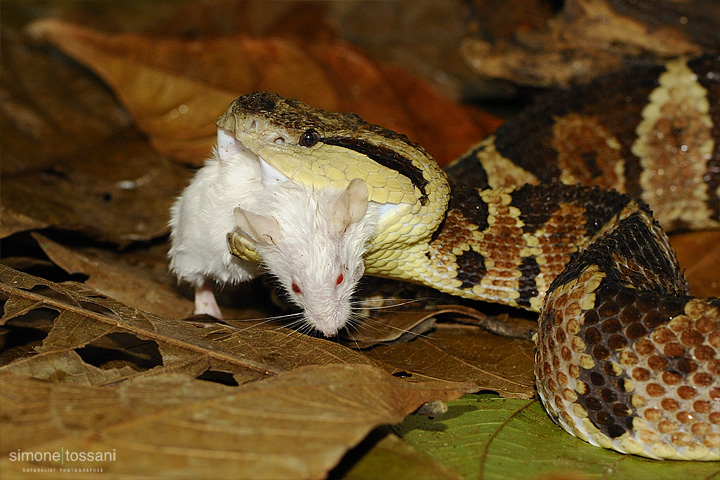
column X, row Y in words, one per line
column 625, row 358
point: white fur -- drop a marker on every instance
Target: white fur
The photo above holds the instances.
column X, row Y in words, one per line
column 309, row 237
column 203, row 215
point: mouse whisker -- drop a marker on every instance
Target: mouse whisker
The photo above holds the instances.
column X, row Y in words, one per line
column 375, row 324
column 272, row 317
column 388, row 303
column 258, row 321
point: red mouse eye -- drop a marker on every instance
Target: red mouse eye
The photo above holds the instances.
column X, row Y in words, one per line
column 340, row 279
column 296, row 288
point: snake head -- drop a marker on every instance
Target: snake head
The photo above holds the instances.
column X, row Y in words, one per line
column 318, row 149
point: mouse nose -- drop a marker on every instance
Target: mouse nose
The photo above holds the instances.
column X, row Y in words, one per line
column 326, row 326
column 330, row 321
column 328, row 332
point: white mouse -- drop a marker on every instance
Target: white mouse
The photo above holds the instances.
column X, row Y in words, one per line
column 313, row 240
column 203, row 215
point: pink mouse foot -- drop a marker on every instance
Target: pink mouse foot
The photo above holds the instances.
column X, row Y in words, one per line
column 205, row 302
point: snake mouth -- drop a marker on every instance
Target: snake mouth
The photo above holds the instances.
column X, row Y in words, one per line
column 244, row 145
column 270, row 175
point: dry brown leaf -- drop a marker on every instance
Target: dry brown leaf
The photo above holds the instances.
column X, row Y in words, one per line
column 391, row 311
column 51, row 109
column 593, row 37
column 699, row 256
column 14, row 222
column 120, row 191
column 176, row 89
column 464, row 353
column 296, row 425
column 90, row 339
column 69, row 159
column 136, row 286
column 445, row 129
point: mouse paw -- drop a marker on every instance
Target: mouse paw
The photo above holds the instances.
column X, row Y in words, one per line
column 205, row 302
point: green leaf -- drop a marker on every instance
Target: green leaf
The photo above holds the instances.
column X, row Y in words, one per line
column 391, row 457
column 488, row 437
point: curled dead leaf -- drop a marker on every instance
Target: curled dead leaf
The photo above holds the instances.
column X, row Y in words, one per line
column 176, row 89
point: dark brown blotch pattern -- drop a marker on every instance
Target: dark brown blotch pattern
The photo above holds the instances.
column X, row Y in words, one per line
column 646, row 355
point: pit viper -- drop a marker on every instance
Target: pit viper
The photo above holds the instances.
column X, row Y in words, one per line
column 625, row 357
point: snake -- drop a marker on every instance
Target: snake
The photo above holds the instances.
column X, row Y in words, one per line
column 553, row 213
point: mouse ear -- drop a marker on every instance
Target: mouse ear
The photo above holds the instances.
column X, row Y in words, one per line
column 227, row 145
column 258, row 228
column 351, row 206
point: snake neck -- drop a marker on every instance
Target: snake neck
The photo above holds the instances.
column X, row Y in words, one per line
column 507, row 245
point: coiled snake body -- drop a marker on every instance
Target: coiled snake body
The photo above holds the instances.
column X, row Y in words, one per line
column 625, row 357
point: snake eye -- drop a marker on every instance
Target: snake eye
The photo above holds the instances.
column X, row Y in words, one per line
column 309, row 138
